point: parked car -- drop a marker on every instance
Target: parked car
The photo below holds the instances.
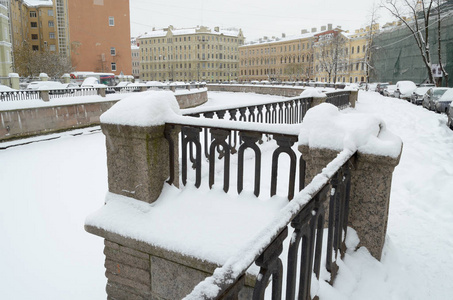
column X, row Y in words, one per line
column 404, row 89
column 54, row 87
column 443, row 103
column 41, row 85
column 450, row 116
column 389, row 90
column 418, row 94
column 380, row 87
column 432, row 95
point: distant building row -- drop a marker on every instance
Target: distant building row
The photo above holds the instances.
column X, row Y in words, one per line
column 204, row 54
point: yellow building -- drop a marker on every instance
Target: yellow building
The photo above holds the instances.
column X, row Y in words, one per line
column 342, row 56
column 5, row 43
column 190, row 54
column 40, row 25
column 281, row 59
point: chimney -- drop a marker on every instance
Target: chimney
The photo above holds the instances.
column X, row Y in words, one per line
column 313, row 29
column 329, row 26
column 323, row 28
column 303, row 31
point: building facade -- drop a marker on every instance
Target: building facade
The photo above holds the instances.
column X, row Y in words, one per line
column 281, row 59
column 328, row 55
column 135, row 52
column 5, row 42
column 100, row 36
column 192, row 54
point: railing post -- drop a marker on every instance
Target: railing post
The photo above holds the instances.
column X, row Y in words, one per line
column 44, row 95
column 371, row 178
column 43, row 77
column 353, row 96
column 137, row 160
column 15, row 82
column 66, row 78
column 101, row 92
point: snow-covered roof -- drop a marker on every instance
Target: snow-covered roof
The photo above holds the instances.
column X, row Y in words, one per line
column 188, row 31
column 37, row 3
column 280, row 39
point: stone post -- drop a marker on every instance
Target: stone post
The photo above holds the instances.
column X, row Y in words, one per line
column 317, row 101
column 371, row 178
column 138, row 160
column 101, row 91
column 143, row 88
column 353, row 96
column 43, row 77
column 66, row 78
column 44, row 95
column 15, row 82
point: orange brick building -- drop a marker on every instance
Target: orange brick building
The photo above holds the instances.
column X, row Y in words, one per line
column 100, row 35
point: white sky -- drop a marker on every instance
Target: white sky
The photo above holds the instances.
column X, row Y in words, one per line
column 255, row 18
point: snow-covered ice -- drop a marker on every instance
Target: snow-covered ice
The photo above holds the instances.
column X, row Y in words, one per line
column 48, row 188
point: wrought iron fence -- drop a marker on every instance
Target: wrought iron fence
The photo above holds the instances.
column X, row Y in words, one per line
column 326, row 198
column 339, row 99
column 307, row 222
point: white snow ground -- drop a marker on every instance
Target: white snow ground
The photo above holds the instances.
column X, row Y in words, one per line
column 47, row 189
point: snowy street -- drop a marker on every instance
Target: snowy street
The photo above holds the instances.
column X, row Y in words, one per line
column 48, row 188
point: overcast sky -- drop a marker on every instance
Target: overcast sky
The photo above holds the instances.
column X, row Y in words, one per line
column 255, row 18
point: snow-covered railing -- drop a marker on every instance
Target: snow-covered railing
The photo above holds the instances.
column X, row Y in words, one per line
column 306, row 214
column 347, row 158
column 340, row 99
column 19, row 95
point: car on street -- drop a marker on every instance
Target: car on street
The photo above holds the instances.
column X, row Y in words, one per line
column 380, row 87
column 418, row 94
column 389, row 90
column 442, row 104
column 432, row 95
column 404, row 89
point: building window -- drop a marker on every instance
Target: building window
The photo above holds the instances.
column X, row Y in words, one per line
column 111, row 21
column 34, row 24
column 51, row 24
column 34, row 36
column 52, row 47
column 112, row 51
column 113, row 66
column 35, row 47
column 51, row 35
column 50, row 13
column 33, row 14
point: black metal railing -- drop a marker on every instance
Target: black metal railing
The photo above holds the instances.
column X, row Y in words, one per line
column 204, row 146
column 339, row 99
column 203, row 135
column 287, row 111
column 324, row 200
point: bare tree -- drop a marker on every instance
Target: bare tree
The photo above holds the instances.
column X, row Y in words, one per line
column 30, row 63
column 293, row 70
column 415, row 14
column 330, row 53
column 439, row 52
column 373, row 30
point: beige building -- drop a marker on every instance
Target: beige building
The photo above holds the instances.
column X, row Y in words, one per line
column 135, row 52
column 5, row 43
column 190, row 54
column 281, row 59
column 352, row 59
column 308, row 56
